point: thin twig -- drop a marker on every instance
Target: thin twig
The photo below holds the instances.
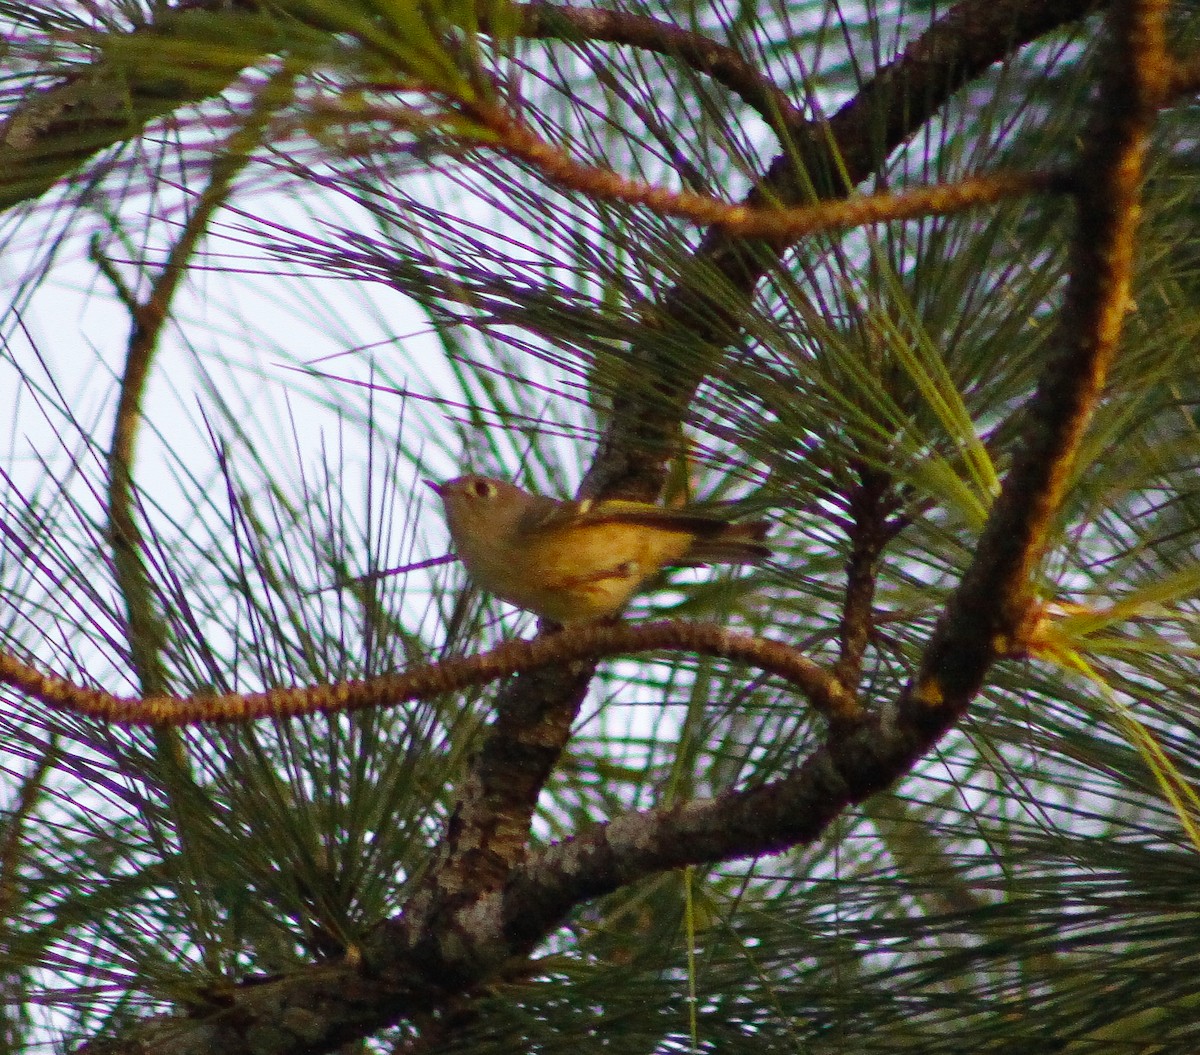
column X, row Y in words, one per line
column 869, row 532
column 146, row 632
column 701, row 53
column 577, row 643
column 514, row 137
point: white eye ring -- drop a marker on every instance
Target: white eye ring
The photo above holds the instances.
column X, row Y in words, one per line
column 483, row 489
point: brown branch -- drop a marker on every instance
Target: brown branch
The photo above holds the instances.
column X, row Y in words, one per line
column 488, row 833
column 722, row 63
column 984, row 617
column 769, row 818
column 516, row 139
column 451, row 675
column 827, row 158
column 943, row 199
column 869, row 532
column 60, row 127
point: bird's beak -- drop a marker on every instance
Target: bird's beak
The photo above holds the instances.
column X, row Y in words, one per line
column 435, row 485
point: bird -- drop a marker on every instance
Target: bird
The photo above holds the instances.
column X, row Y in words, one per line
column 580, row 561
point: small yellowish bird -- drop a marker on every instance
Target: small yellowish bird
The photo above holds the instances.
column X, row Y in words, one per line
column 576, row 562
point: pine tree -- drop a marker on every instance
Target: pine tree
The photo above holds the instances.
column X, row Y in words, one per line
column 915, row 284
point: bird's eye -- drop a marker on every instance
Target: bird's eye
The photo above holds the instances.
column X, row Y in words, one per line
column 483, row 488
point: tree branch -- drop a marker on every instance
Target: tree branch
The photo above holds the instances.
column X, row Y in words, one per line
column 766, row 819
column 990, row 609
column 834, row 156
column 585, row 641
column 720, row 62
column 869, row 532
column 418, row 959
column 514, row 137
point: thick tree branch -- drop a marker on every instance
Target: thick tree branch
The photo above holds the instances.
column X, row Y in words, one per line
column 761, row 820
column 988, row 612
column 488, row 833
